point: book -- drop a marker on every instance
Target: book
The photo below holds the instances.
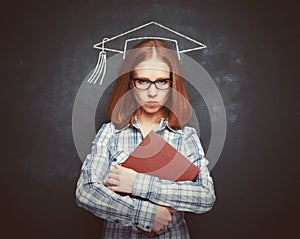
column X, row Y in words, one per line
column 154, row 156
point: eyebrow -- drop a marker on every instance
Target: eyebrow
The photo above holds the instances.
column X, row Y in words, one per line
column 146, row 78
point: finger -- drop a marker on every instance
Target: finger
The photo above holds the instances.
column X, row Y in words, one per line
column 118, row 166
column 113, row 176
column 112, row 182
column 173, row 211
column 160, row 227
column 114, row 189
column 161, row 230
column 157, row 230
column 115, row 170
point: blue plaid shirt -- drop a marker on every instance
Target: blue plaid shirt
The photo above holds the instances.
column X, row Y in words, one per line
column 125, row 213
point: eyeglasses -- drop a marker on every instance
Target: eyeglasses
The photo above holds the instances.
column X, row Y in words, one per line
column 144, row 84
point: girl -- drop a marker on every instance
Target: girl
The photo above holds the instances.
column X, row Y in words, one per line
column 148, row 95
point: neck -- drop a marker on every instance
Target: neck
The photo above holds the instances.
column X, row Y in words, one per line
column 147, row 121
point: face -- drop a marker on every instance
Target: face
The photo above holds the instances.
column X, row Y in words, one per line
column 151, row 100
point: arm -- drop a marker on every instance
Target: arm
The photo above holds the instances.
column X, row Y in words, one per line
column 194, row 196
column 92, row 194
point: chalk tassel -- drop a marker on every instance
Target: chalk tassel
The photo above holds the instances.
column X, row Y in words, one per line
column 100, row 69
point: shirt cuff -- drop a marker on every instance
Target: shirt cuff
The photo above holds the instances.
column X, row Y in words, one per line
column 143, row 216
column 146, row 186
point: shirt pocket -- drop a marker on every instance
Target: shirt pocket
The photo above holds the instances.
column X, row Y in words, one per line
column 186, row 151
column 120, row 156
column 117, row 157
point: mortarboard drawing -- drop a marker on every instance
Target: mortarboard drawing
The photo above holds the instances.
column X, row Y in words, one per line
column 152, row 30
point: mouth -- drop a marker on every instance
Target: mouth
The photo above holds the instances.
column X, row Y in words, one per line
column 152, row 103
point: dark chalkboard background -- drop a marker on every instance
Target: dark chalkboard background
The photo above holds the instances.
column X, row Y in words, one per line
column 252, row 55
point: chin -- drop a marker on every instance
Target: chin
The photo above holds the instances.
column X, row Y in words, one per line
column 151, row 110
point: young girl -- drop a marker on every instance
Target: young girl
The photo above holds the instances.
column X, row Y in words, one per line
column 149, row 95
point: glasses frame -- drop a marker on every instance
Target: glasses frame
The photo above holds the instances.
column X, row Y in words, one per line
column 151, row 82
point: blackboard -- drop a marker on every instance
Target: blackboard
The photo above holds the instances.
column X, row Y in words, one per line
column 252, row 46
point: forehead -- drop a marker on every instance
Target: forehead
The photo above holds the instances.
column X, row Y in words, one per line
column 152, row 68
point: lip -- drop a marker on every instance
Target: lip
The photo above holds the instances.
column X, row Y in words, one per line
column 152, row 103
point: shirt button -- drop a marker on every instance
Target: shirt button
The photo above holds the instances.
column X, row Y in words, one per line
column 136, row 223
column 147, row 227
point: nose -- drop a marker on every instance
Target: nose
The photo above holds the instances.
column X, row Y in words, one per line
column 152, row 91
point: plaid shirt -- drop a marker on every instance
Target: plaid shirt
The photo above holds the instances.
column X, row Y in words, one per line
column 125, row 213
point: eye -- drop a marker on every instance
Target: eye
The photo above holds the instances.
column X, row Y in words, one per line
column 162, row 82
column 141, row 81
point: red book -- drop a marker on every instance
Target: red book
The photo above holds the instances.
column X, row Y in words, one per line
column 154, row 156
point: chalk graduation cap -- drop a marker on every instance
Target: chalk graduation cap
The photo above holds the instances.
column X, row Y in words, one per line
column 151, row 30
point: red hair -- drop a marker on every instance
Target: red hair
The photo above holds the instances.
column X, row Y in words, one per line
column 123, row 108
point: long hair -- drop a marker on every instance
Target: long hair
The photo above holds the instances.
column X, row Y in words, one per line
column 123, row 108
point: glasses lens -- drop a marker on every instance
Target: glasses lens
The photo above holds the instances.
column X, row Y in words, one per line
column 141, row 84
column 163, row 84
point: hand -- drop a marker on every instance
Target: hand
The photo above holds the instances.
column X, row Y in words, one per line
column 162, row 218
column 121, row 179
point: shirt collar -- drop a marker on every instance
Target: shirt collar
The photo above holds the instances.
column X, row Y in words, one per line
column 121, row 129
column 162, row 125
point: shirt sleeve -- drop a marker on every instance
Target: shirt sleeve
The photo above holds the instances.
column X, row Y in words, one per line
column 92, row 194
column 196, row 196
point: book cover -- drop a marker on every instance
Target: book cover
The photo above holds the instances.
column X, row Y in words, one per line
column 154, row 156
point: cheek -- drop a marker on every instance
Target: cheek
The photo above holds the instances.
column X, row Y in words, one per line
column 137, row 95
column 166, row 96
